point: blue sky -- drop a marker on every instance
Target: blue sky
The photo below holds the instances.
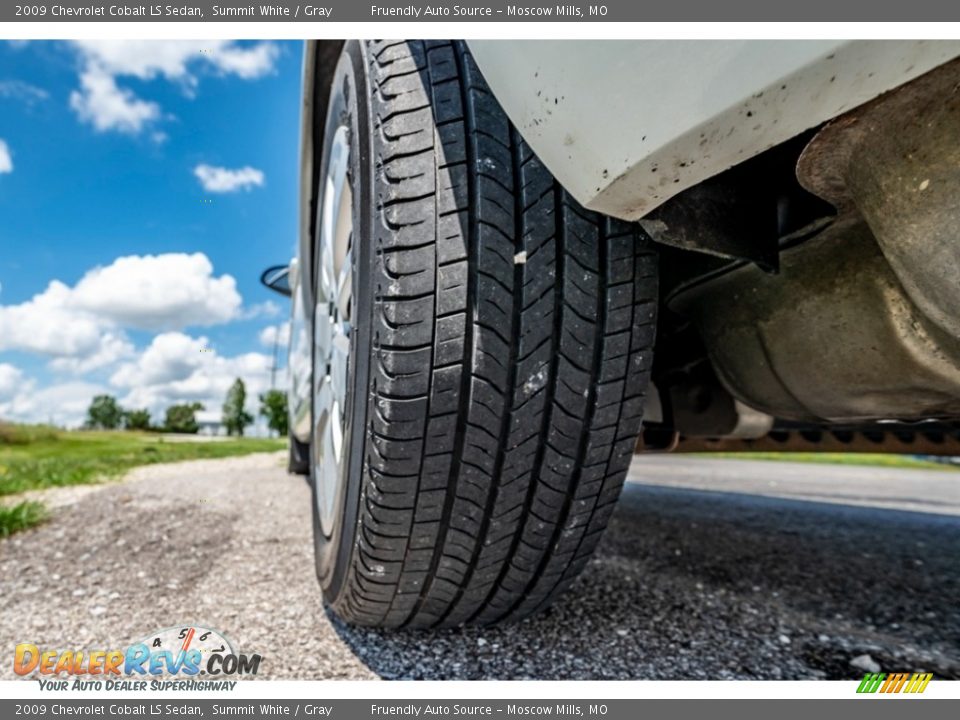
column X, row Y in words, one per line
column 143, row 187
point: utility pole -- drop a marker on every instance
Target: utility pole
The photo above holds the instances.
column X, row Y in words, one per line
column 273, row 369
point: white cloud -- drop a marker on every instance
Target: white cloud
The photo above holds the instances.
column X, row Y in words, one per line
column 64, row 404
column 267, row 309
column 270, row 334
column 172, row 59
column 49, row 324
column 81, row 327
column 172, row 369
column 159, row 292
column 22, row 91
column 6, row 162
column 11, row 380
column 112, row 347
column 107, row 106
column 171, row 357
column 179, row 368
column 223, row 180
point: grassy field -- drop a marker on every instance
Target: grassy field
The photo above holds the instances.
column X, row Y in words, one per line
column 34, row 457
column 873, row 459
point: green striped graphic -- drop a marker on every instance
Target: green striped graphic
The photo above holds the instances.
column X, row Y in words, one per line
column 871, row 682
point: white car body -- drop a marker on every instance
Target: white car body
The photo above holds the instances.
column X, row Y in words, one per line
column 626, row 125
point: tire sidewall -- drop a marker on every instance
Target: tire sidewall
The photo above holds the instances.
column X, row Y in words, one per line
column 349, row 102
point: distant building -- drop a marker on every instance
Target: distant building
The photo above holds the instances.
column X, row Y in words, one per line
column 210, row 423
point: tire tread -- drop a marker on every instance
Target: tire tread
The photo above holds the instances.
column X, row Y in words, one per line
column 506, row 396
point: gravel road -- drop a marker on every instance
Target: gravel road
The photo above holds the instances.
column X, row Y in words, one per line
column 712, row 569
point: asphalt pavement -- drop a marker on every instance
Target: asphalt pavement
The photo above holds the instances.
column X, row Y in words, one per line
column 712, row 569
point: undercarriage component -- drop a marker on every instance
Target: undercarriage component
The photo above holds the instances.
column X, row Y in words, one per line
column 863, row 322
column 742, row 213
column 832, row 338
column 708, row 410
column 896, row 163
column 942, row 443
column 709, row 218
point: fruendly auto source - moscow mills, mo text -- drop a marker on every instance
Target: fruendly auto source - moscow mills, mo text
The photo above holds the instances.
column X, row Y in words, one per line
column 427, row 11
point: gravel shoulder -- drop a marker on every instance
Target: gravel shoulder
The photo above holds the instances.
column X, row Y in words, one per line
column 732, row 582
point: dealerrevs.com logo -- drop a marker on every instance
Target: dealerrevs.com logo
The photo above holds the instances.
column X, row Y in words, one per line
column 170, row 659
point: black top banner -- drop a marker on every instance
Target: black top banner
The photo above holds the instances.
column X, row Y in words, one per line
column 446, row 11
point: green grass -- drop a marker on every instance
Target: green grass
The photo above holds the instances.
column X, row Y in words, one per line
column 33, row 457
column 11, row 434
column 21, row 516
column 873, row 459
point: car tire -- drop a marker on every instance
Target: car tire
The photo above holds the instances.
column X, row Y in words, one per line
column 500, row 343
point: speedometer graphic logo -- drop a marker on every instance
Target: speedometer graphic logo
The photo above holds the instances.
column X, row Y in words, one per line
column 190, row 637
column 207, row 651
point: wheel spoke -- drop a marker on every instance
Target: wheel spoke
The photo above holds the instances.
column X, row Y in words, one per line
column 322, row 433
column 338, row 367
column 345, row 285
column 329, row 468
column 323, row 403
column 328, row 274
column 322, row 337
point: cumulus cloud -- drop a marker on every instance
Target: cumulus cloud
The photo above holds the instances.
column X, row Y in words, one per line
column 159, row 292
column 6, row 162
column 106, row 105
column 275, row 334
column 11, row 379
column 103, row 104
column 223, row 180
column 173, row 369
column 49, row 324
column 173, row 59
column 82, row 327
column 63, row 404
column 111, row 348
column 170, row 357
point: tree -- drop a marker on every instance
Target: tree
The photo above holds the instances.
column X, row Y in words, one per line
column 182, row 418
column 273, row 406
column 136, row 419
column 104, row 413
column 235, row 418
